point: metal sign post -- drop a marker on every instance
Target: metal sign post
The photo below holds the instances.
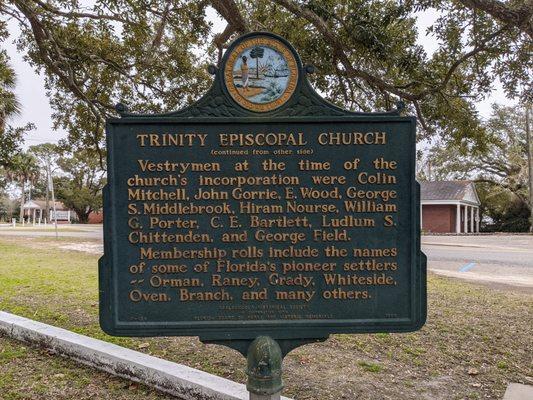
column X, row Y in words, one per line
column 51, row 188
column 264, row 358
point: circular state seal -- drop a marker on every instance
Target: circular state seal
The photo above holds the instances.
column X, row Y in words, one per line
column 261, row 73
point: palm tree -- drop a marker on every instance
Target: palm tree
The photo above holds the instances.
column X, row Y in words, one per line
column 24, row 169
column 257, row 53
column 9, row 104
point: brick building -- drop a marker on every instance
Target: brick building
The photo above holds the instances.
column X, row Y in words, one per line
column 96, row 217
column 449, row 207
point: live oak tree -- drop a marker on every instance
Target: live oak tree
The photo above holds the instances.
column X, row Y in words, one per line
column 78, row 176
column 138, row 52
column 152, row 55
column 499, row 164
column 80, row 185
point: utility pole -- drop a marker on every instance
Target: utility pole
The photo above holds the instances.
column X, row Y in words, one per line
column 47, row 198
column 51, row 188
column 529, row 142
column 22, row 202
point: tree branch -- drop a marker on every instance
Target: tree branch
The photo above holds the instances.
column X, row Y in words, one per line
column 55, row 60
column 156, row 43
column 230, row 12
column 221, row 39
column 421, row 118
column 338, row 50
column 481, row 46
column 53, row 10
column 373, row 80
column 520, row 17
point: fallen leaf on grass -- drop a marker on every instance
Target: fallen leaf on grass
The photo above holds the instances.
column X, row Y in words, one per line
column 143, row 345
column 472, row 371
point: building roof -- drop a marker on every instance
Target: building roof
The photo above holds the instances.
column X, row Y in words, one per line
column 449, row 190
column 42, row 205
column 29, row 205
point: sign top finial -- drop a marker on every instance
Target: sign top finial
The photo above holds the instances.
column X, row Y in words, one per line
column 260, row 75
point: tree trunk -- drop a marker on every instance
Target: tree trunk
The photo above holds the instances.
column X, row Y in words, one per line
column 83, row 215
column 2, row 122
column 529, row 142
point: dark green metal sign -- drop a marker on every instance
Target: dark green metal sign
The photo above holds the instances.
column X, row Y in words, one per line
column 261, row 210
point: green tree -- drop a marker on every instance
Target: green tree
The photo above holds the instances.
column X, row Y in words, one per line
column 9, row 104
column 499, row 162
column 506, row 211
column 80, row 188
column 152, row 55
column 10, row 137
column 22, row 170
column 8, row 208
column 47, row 155
column 257, row 53
column 140, row 53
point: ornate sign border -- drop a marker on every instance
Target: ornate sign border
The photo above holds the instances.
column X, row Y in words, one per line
column 218, row 106
column 275, row 44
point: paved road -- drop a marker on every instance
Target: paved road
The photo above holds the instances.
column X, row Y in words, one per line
column 74, row 231
column 505, row 261
column 502, row 260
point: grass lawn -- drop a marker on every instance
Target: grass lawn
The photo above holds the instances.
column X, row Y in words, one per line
column 30, row 373
column 476, row 341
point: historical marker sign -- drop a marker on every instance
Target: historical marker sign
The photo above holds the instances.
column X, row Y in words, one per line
column 261, row 210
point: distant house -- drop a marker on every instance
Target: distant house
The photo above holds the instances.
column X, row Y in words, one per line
column 96, row 217
column 34, row 211
column 449, row 207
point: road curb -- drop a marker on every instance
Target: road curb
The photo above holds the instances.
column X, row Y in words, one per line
column 475, row 246
column 172, row 378
column 517, row 391
column 452, row 244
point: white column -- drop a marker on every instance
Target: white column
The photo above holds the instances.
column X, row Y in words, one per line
column 477, row 219
column 458, row 219
column 68, row 216
column 472, row 219
column 34, row 217
column 466, row 220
